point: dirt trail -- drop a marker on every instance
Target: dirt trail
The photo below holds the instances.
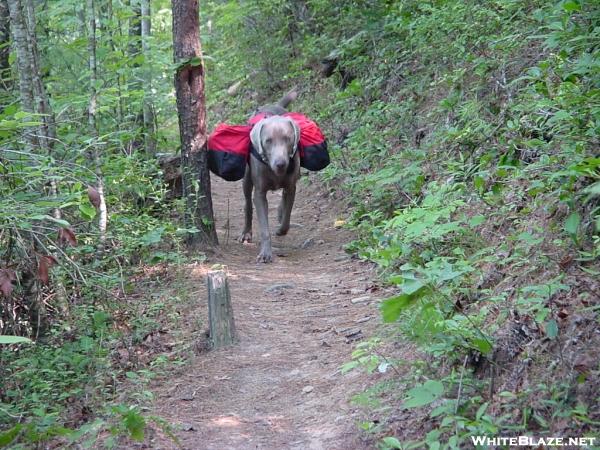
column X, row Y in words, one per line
column 280, row 387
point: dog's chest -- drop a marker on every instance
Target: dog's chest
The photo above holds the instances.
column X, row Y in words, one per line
column 266, row 180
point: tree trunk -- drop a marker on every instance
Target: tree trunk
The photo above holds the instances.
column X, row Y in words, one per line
column 135, row 29
column 34, row 99
column 47, row 133
column 148, row 112
column 102, row 210
column 189, row 88
column 113, row 47
column 21, row 46
column 5, row 83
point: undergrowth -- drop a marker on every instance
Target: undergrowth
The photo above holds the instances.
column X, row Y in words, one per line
column 465, row 136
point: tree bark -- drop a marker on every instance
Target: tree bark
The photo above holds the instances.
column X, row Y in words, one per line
column 102, row 210
column 24, row 64
column 4, row 47
column 47, row 133
column 147, row 107
column 220, row 311
column 113, row 47
column 189, row 88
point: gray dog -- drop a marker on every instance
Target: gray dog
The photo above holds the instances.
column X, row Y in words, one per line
column 274, row 164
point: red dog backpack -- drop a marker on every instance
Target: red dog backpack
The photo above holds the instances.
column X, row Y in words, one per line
column 229, row 147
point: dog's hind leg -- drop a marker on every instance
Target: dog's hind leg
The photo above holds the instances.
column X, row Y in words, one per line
column 247, row 187
column 285, row 209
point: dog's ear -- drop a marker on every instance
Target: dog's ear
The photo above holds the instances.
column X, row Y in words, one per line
column 255, row 138
column 296, row 133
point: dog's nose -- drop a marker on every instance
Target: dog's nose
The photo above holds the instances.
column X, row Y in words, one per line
column 280, row 165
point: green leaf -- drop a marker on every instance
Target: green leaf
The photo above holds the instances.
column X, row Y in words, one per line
column 481, row 411
column 8, row 436
column 61, row 222
column 572, row 223
column 476, row 220
column 479, row 183
column 551, row 329
column 14, row 340
column 483, row 345
column 571, row 6
column 593, row 190
column 393, row 307
column 411, row 286
column 135, row 424
column 425, row 394
column 153, row 237
column 87, row 211
column 391, row 442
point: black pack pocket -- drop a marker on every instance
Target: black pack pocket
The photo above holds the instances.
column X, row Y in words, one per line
column 228, row 165
column 315, row 157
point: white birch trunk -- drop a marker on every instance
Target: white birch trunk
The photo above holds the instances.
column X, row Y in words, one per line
column 102, row 210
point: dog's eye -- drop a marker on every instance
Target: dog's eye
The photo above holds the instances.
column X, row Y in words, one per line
column 268, row 141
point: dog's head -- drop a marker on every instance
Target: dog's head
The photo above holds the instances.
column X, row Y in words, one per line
column 276, row 141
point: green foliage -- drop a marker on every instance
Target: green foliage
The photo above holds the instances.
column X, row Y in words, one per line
column 467, row 144
column 59, row 285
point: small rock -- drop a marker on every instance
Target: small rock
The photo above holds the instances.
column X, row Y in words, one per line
column 279, row 287
column 356, row 291
column 187, row 427
column 356, row 300
column 325, row 344
column 188, row 396
column 320, row 242
column 307, row 243
column 341, row 258
column 307, row 389
column 348, row 332
column 364, row 319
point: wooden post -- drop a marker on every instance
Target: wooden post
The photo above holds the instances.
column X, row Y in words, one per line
column 220, row 311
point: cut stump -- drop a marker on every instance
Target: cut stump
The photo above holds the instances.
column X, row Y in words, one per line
column 220, row 311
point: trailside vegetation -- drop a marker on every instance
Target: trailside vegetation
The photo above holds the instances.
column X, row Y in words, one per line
column 465, row 140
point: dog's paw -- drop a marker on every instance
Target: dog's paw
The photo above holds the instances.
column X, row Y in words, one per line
column 264, row 257
column 246, row 237
column 282, row 231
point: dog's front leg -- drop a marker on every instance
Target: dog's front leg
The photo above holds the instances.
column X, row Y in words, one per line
column 247, row 233
column 285, row 209
column 262, row 211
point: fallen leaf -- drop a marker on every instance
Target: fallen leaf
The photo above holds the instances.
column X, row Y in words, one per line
column 7, row 276
column 44, row 264
column 94, row 196
column 67, row 236
column 583, row 363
